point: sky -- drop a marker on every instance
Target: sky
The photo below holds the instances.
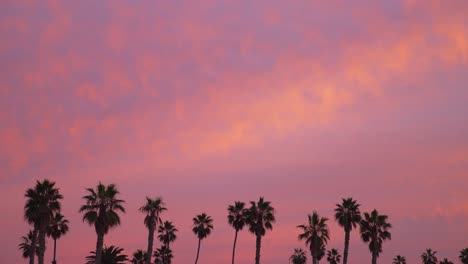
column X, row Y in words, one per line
column 208, row 102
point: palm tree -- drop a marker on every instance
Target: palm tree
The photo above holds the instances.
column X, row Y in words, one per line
column 202, row 226
column 348, row 216
column 333, row 257
column 57, row 228
column 445, row 261
column 321, row 253
column 299, row 256
column 429, row 257
column 163, row 255
column 464, row 256
column 399, row 260
column 110, row 255
column 259, row 217
column 139, row 257
column 26, row 244
column 167, row 233
column 316, row 234
column 375, row 230
column 101, row 210
column 153, row 209
column 236, row 219
column 41, row 204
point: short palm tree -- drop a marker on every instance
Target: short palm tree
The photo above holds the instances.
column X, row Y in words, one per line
column 43, row 201
column 110, row 255
column 445, row 261
column 429, row 257
column 163, row 255
column 348, row 216
column 236, row 219
column 399, row 260
column 26, row 244
column 316, row 234
column 167, row 233
column 139, row 257
column 298, row 257
column 153, row 209
column 259, row 217
column 57, row 228
column 374, row 230
column 464, row 256
column 202, row 227
column 333, row 256
column 101, row 210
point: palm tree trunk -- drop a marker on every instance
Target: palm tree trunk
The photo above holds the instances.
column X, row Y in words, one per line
column 55, row 250
column 258, row 247
column 374, row 258
column 346, row 246
column 42, row 234
column 234, row 247
column 32, row 251
column 150, row 244
column 314, row 260
column 198, row 251
column 99, row 244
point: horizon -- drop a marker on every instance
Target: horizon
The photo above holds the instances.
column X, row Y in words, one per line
column 208, row 103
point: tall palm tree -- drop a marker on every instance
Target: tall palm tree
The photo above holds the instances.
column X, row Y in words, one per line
column 464, row 256
column 236, row 219
column 26, row 244
column 153, row 209
column 167, row 233
column 374, row 229
column 110, row 255
column 42, row 202
column 348, row 216
column 429, row 257
column 316, row 234
column 259, row 217
column 139, row 257
column 321, row 254
column 333, row 256
column 298, row 257
column 202, row 227
column 163, row 255
column 445, row 261
column 399, row 260
column 101, row 210
column 57, row 228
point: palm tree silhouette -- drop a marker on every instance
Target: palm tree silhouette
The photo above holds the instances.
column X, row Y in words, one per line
column 101, row 210
column 464, row 256
column 163, row 255
column 348, row 216
column 316, row 234
column 202, row 226
column 259, row 217
column 445, row 261
column 167, row 233
column 41, row 204
column 26, row 244
column 110, row 255
column 399, row 260
column 298, row 257
column 236, row 219
column 153, row 209
column 139, row 257
column 333, row 256
column 374, row 229
column 57, row 228
column 429, row 257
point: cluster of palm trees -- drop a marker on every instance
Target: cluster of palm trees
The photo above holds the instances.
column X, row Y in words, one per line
column 102, row 207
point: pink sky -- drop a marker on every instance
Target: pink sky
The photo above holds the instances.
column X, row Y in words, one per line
column 207, row 102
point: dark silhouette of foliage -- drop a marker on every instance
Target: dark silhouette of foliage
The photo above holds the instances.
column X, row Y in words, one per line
column 26, row 244
column 110, row 255
column 202, row 227
column 429, row 257
column 236, row 218
column 163, row 255
column 348, row 216
column 153, row 209
column 445, row 261
column 374, row 230
column 316, row 235
column 139, row 257
column 57, row 228
column 101, row 211
column 298, row 257
column 399, row 260
column 464, row 256
column 167, row 233
column 333, row 256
